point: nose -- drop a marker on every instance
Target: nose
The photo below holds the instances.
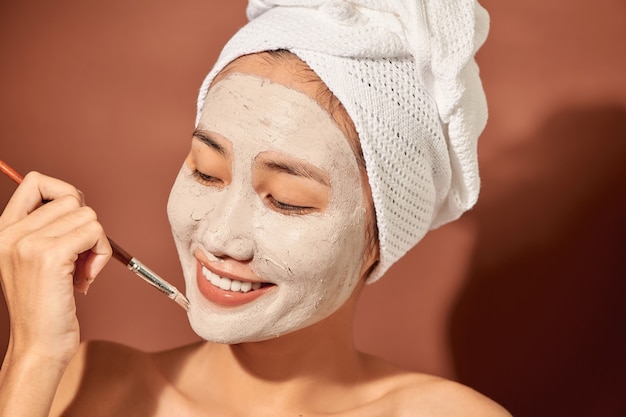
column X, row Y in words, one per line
column 229, row 229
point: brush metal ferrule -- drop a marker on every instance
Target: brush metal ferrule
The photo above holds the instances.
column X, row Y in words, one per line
column 152, row 278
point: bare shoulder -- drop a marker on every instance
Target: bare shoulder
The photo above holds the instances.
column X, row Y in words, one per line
column 101, row 373
column 433, row 396
column 403, row 393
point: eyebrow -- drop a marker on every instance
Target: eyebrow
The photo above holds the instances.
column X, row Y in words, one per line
column 205, row 137
column 298, row 169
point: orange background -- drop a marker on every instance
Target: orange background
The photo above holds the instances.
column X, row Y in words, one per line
column 522, row 299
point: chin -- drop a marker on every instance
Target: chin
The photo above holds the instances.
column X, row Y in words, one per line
column 247, row 326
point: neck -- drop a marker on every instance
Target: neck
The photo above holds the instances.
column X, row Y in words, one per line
column 318, row 351
column 308, row 366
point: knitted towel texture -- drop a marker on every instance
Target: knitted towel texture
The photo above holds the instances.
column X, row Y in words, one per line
column 405, row 72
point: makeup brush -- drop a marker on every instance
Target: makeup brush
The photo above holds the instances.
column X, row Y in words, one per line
column 124, row 257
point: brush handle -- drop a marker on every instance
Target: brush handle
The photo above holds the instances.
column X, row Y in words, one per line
column 10, row 172
column 119, row 253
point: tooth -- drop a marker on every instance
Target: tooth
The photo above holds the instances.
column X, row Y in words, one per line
column 228, row 284
column 225, row 283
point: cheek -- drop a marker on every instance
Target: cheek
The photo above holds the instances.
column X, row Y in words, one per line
column 310, row 250
column 325, row 247
column 187, row 204
column 176, row 209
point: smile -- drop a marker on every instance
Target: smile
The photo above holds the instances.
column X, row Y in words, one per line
column 226, row 290
column 228, row 284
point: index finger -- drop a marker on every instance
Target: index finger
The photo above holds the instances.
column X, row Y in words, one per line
column 34, row 190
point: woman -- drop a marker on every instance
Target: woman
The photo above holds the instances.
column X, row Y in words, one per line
column 282, row 211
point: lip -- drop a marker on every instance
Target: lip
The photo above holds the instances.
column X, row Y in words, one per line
column 226, row 298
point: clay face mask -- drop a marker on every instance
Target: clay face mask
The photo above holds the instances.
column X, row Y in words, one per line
column 255, row 267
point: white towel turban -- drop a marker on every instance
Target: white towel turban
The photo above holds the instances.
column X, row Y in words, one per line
column 405, row 72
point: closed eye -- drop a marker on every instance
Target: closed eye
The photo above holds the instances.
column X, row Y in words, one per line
column 206, row 179
column 288, row 208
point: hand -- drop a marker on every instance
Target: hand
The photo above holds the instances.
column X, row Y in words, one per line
column 46, row 251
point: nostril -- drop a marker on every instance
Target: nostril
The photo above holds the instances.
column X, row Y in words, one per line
column 225, row 243
column 241, row 249
column 196, row 215
column 228, row 232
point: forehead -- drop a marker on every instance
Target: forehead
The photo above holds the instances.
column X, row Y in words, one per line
column 257, row 114
column 284, row 68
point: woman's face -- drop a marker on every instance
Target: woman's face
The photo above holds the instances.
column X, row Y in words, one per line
column 268, row 212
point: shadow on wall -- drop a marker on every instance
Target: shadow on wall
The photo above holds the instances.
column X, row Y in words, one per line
column 541, row 322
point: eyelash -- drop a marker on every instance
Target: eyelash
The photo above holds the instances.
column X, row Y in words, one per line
column 288, row 208
column 205, row 179
column 280, row 206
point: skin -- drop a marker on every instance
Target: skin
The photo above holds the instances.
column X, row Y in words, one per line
column 233, row 210
column 308, row 372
